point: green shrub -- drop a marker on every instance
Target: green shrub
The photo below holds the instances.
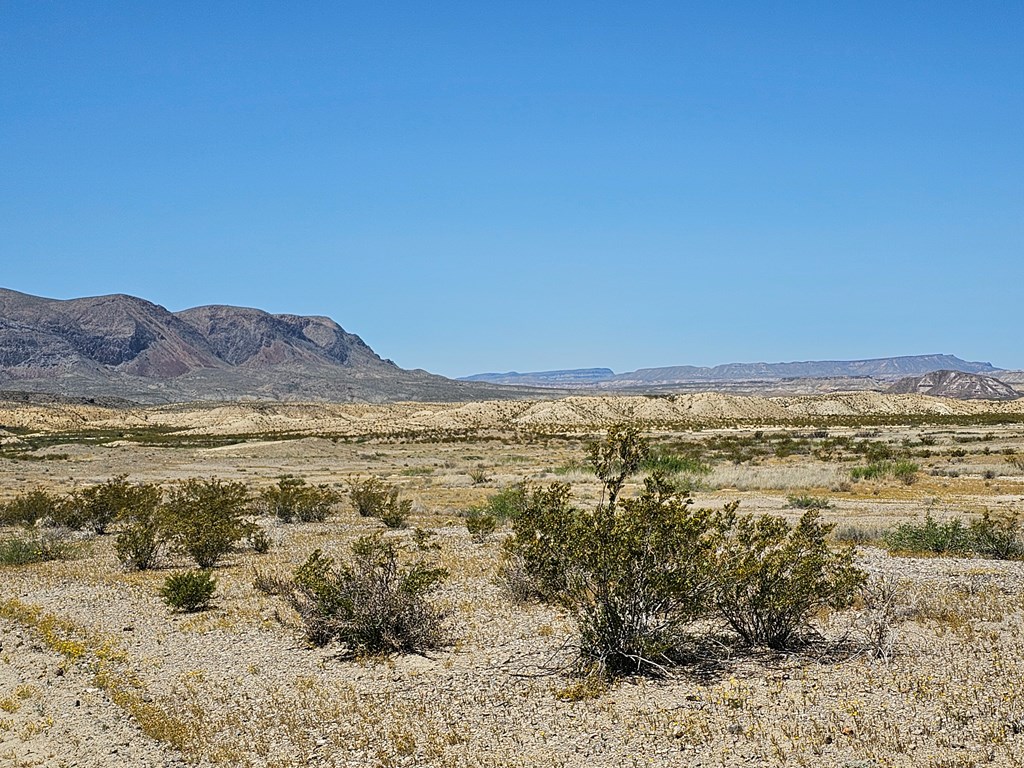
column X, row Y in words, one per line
column 292, row 499
column 140, row 539
column 631, row 573
column 903, row 470
column 372, row 605
column 480, row 524
column 31, row 507
column 808, row 502
column 535, row 560
column 668, row 463
column 507, row 504
column 931, row 536
column 205, row 519
column 374, row 497
column 103, row 504
column 998, row 537
column 636, row 575
column 369, row 496
column 36, row 546
column 773, row 576
column 190, row 591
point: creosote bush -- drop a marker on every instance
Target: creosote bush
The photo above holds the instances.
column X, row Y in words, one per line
column 36, row 546
column 293, row 499
column 994, row 536
column 371, row 604
column 636, row 573
column 772, row 576
column 205, row 519
column 140, row 539
column 374, row 497
column 190, row 591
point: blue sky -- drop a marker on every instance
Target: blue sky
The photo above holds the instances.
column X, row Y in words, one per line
column 491, row 186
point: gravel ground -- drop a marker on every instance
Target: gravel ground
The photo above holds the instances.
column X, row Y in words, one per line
column 236, row 686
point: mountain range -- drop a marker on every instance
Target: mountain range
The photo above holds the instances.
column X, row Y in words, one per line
column 123, row 348
column 884, row 368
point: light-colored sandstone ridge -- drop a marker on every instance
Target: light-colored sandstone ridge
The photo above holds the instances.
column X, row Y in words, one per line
column 570, row 413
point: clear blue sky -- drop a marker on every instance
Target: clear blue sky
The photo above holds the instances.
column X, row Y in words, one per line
column 530, row 185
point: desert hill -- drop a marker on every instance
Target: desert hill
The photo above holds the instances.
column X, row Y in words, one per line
column 956, row 384
column 575, row 413
column 127, row 347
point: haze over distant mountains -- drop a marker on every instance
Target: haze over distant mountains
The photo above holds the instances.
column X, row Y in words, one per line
column 883, row 368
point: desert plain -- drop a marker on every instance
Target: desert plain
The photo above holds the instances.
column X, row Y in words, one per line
column 95, row 670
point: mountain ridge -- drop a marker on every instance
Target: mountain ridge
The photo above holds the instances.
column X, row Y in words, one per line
column 882, row 368
column 123, row 346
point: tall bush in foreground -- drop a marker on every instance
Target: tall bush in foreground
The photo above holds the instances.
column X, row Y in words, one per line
column 371, row 604
column 772, row 576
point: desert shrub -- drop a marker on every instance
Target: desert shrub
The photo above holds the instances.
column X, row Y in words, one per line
column 259, row 540
column 141, row 537
column 631, row 573
column 773, row 576
column 931, row 536
column 669, row 463
column 293, row 499
column 479, row 476
column 636, row 574
column 205, row 519
column 371, row 604
column 369, row 496
column 374, row 497
column 535, row 551
column 480, row 524
column 808, row 502
column 508, row 503
column 190, row 591
column 31, row 507
column 36, row 546
column 999, row 536
column 903, row 470
column 104, row 503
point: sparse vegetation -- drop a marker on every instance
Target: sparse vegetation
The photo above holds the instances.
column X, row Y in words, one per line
column 189, row 591
column 205, row 519
column 374, row 497
column 371, row 604
column 141, row 538
column 772, row 577
column 292, row 499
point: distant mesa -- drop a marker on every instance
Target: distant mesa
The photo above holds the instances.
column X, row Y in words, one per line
column 569, row 378
column 956, row 384
column 883, row 369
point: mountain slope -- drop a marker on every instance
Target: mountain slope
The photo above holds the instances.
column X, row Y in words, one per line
column 955, row 384
column 128, row 347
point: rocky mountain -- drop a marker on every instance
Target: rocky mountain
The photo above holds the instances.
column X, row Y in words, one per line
column 883, row 369
column 126, row 347
column 955, row 384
